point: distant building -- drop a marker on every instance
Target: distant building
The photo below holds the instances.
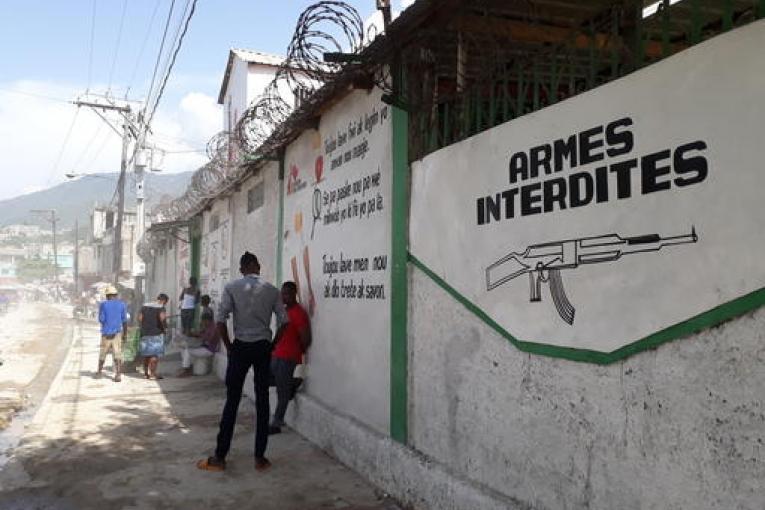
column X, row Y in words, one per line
column 9, row 259
column 20, row 231
column 96, row 253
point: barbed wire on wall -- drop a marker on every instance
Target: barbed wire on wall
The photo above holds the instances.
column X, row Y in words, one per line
column 328, row 26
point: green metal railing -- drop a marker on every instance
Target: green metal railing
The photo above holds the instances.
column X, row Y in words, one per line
column 613, row 44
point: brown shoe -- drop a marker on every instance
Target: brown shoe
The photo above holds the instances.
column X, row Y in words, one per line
column 212, row 464
column 262, row 464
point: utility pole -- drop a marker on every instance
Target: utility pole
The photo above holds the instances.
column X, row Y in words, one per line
column 117, row 261
column 53, row 219
column 76, row 261
column 128, row 129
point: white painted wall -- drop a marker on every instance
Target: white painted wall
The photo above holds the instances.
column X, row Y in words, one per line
column 169, row 271
column 348, row 365
column 256, row 231
column 215, row 258
column 678, row 427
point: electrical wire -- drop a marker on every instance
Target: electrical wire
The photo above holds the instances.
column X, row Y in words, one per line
column 117, row 45
column 86, row 149
column 93, row 159
column 172, row 63
column 54, row 169
column 92, row 41
column 143, row 47
column 32, row 94
column 159, row 55
column 326, row 26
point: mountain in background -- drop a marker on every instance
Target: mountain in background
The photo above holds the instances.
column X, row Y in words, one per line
column 75, row 199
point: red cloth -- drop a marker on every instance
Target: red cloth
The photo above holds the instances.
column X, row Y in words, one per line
column 289, row 347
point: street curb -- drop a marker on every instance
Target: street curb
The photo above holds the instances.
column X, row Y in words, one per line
column 56, row 381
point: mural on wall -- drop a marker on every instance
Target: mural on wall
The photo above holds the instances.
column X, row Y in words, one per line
column 544, row 262
column 329, row 210
column 646, row 203
column 184, row 264
column 336, row 248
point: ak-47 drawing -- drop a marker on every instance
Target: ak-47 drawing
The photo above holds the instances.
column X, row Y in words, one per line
column 543, row 262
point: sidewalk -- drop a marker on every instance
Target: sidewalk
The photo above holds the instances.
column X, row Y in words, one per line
column 97, row 444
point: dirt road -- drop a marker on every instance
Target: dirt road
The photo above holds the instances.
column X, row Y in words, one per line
column 97, row 444
column 34, row 338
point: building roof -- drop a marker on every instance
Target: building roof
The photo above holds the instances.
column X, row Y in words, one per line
column 251, row 57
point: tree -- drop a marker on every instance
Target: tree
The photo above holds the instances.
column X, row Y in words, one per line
column 34, row 269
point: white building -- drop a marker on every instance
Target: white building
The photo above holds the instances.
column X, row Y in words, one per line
column 16, row 231
column 247, row 75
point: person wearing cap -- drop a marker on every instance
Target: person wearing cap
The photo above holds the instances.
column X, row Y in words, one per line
column 112, row 314
column 252, row 301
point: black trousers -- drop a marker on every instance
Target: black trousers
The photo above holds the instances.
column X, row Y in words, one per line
column 242, row 356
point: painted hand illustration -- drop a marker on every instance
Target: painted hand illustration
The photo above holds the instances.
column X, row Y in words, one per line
column 307, row 267
column 543, row 262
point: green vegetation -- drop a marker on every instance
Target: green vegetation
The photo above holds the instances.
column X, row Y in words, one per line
column 34, row 269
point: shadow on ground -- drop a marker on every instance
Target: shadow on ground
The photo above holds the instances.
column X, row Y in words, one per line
column 133, row 445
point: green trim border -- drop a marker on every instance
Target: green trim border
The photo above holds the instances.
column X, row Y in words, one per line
column 708, row 319
column 280, row 222
column 399, row 294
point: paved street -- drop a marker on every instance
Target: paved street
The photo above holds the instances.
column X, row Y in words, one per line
column 132, row 445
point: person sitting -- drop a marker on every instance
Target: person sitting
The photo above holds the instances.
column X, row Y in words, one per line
column 208, row 334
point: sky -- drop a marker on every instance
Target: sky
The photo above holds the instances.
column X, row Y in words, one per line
column 53, row 51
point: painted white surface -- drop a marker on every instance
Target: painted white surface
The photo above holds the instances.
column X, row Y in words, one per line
column 215, row 260
column 348, row 364
column 257, row 231
column 680, row 427
column 712, row 92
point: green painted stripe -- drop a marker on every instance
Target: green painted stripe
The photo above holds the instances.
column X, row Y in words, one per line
column 698, row 323
column 280, row 222
column 399, row 294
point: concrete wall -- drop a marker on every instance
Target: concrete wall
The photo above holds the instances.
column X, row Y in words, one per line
column 257, row 231
column 337, row 207
column 216, row 250
column 679, row 427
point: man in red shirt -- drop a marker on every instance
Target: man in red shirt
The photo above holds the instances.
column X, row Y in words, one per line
column 288, row 354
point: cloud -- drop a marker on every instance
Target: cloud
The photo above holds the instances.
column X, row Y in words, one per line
column 33, row 129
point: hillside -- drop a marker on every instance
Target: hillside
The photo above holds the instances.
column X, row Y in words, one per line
column 75, row 199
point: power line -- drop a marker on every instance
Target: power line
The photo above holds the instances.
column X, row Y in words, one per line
column 117, row 46
column 32, row 94
column 86, row 149
column 159, row 54
column 63, row 146
column 172, row 63
column 143, row 47
column 92, row 160
column 92, row 40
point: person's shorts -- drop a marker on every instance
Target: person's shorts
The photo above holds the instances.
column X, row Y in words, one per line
column 111, row 343
column 152, row 346
column 187, row 319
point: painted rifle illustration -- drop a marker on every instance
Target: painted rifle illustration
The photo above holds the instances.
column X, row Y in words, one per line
column 543, row 262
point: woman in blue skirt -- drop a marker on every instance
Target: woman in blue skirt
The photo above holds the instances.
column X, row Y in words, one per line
column 152, row 319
